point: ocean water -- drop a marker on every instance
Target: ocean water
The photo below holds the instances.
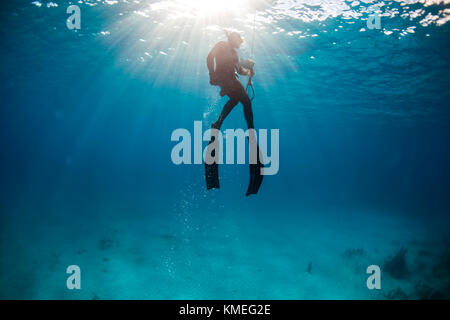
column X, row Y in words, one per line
column 87, row 179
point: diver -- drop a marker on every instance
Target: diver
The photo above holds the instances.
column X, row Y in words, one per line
column 224, row 75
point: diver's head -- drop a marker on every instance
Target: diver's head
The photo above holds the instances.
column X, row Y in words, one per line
column 235, row 39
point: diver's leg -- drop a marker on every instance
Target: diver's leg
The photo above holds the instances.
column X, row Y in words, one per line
column 255, row 156
column 225, row 111
column 212, row 169
column 248, row 112
column 246, row 103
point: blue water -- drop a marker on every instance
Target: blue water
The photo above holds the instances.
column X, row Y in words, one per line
column 87, row 178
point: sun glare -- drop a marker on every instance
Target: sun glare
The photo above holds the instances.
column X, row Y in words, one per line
column 204, row 7
column 201, row 8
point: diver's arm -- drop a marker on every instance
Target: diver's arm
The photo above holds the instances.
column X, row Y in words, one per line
column 210, row 60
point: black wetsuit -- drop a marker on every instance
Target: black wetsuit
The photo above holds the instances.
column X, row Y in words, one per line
column 227, row 64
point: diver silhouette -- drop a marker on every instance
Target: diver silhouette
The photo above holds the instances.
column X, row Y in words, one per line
column 224, row 75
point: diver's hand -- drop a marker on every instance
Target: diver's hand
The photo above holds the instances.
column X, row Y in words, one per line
column 247, row 72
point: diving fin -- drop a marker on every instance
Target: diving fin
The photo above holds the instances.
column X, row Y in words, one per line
column 212, row 176
column 255, row 175
column 212, row 170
